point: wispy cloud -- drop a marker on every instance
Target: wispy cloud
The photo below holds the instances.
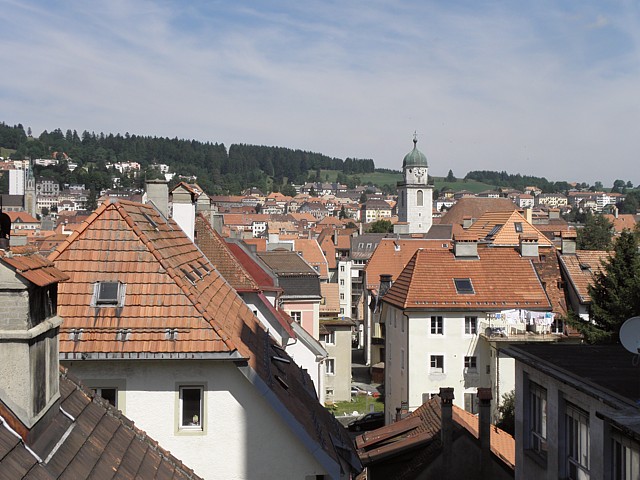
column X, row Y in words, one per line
column 528, row 87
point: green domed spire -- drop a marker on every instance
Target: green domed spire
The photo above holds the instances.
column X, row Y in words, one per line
column 415, row 158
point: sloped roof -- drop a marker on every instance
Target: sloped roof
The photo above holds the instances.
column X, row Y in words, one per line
column 581, row 269
column 218, row 253
column 549, row 272
column 21, row 217
column 499, row 229
column 622, row 221
column 421, row 430
column 101, row 443
column 133, row 244
column 475, row 207
column 500, row 277
column 311, row 252
column 34, row 268
column 392, row 255
column 284, row 262
column 251, row 264
column 331, row 296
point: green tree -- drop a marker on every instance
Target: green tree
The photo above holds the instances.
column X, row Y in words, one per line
column 507, row 413
column 596, row 233
column 288, row 190
column 343, row 213
column 380, row 226
column 615, row 292
column 450, row 177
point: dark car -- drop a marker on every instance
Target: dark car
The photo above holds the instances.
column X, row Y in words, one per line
column 369, row 421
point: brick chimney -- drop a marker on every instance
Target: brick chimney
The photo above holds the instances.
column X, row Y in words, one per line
column 465, row 245
column 484, row 432
column 446, row 428
column 569, row 240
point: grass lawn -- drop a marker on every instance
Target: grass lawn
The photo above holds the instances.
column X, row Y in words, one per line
column 359, row 403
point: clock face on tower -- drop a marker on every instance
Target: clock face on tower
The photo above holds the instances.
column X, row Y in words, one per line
column 419, row 173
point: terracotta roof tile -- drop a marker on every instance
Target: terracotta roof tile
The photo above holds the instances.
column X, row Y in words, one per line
column 392, row 255
column 581, row 269
column 311, row 252
column 500, row 277
column 475, row 207
column 505, row 229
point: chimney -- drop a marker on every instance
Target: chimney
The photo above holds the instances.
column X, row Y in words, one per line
column 484, row 432
column 467, row 222
column 528, row 214
column 335, row 237
column 385, row 284
column 446, row 428
column 529, row 245
column 569, row 239
column 614, row 210
column 158, row 194
column 465, row 245
column 29, row 364
column 217, row 221
column 554, row 213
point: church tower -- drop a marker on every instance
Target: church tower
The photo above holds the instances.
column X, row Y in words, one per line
column 415, row 195
column 30, row 197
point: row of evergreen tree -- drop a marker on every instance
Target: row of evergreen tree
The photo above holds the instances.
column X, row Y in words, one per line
column 217, row 169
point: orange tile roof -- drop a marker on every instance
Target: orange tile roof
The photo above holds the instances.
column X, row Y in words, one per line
column 581, row 269
column 32, row 267
column 132, row 243
column 330, row 298
column 624, row 221
column 392, row 255
column 500, row 277
column 475, row 207
column 217, row 251
column 21, row 217
column 311, row 252
column 328, row 248
column 503, row 226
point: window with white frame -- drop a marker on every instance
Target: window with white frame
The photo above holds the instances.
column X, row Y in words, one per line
column 191, row 407
column 470, row 364
column 437, row 363
column 328, row 338
column 330, row 366
column 470, row 325
column 625, row 457
column 108, row 294
column 537, row 416
column 342, row 282
column 436, row 325
column 576, row 442
column 342, row 296
column 296, row 316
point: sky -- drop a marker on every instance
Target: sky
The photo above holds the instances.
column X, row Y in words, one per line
column 549, row 88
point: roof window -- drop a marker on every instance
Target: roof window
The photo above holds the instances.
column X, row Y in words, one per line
column 464, row 285
column 494, row 230
column 518, row 227
column 108, row 294
column 189, row 276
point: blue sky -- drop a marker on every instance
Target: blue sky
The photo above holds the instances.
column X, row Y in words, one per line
column 547, row 88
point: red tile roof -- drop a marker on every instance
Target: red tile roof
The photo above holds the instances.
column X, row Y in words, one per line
column 34, row 268
column 251, row 266
column 499, row 229
column 581, row 269
column 500, row 277
column 475, row 207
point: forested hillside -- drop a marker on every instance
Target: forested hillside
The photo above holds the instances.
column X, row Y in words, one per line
column 217, row 170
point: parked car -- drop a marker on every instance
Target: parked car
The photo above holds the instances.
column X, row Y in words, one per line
column 369, row 421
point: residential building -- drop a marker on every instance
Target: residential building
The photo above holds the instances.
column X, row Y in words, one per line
column 51, row 426
column 449, row 314
column 576, row 412
column 335, row 336
column 375, row 209
column 150, row 319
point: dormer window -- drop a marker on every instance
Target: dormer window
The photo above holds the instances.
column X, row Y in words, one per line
column 464, row 286
column 108, row 294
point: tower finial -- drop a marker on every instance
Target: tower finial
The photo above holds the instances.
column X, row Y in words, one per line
column 415, row 138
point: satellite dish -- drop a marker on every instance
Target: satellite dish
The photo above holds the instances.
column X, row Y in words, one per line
column 630, row 335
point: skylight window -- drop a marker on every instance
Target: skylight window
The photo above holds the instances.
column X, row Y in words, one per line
column 464, row 286
column 108, row 294
column 518, row 227
column 494, row 230
column 189, row 276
